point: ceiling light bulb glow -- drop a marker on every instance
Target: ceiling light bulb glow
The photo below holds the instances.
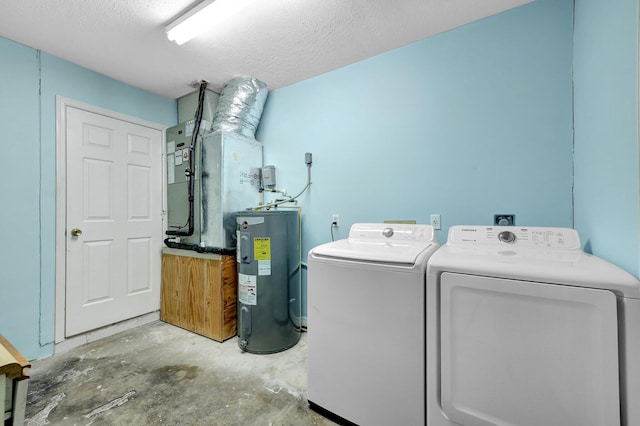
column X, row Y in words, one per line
column 202, row 17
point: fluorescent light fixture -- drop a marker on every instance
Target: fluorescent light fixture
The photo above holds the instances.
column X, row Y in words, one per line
column 202, row 17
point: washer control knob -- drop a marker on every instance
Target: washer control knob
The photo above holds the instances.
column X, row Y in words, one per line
column 507, row 237
column 387, row 232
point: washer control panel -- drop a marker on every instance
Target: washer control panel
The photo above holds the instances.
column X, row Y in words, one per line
column 563, row 238
column 391, row 232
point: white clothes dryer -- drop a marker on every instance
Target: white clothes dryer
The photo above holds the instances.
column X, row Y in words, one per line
column 526, row 329
column 366, row 314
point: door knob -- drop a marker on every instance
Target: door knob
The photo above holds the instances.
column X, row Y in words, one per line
column 75, row 232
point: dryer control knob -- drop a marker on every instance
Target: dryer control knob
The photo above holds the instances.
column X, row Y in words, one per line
column 507, row 237
column 387, row 232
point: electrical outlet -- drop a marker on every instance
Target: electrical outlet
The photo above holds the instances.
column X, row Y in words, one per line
column 435, row 221
column 335, row 220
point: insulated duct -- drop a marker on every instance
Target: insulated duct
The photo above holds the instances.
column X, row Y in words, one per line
column 240, row 106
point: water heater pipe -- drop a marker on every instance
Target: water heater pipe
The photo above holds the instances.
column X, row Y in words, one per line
column 288, row 200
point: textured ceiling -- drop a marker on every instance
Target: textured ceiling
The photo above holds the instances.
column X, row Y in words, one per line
column 279, row 42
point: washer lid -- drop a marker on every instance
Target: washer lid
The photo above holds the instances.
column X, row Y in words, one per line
column 378, row 242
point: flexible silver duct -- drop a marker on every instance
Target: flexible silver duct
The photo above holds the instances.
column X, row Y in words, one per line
column 240, row 106
column 230, row 154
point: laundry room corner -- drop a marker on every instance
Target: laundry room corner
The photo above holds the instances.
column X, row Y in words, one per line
column 607, row 175
column 37, row 78
column 466, row 124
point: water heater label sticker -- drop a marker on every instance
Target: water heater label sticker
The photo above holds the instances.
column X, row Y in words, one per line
column 185, row 155
column 171, row 147
column 247, row 291
column 264, row 267
column 238, row 246
column 262, row 253
column 262, row 248
column 171, row 173
column 178, row 157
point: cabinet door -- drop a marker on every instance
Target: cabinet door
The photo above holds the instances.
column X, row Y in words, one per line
column 229, row 307
column 170, row 291
column 182, row 291
column 192, row 282
column 200, row 294
column 207, row 319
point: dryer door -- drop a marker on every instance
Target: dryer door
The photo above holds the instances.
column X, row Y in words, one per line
column 523, row 353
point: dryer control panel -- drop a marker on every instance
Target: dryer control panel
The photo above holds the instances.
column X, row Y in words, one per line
column 561, row 238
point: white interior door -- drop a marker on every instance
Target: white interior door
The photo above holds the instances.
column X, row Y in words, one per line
column 113, row 220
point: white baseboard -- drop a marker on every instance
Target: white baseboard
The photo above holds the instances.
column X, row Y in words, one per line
column 109, row 330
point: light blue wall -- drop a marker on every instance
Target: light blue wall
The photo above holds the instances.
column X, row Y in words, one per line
column 27, row 181
column 606, row 135
column 469, row 123
column 19, row 192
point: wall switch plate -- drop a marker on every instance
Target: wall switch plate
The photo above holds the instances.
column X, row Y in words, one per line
column 435, row 221
column 504, row 219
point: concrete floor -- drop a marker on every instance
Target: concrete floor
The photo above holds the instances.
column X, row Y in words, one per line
column 160, row 374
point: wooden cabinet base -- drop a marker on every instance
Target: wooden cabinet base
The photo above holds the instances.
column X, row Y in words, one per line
column 199, row 292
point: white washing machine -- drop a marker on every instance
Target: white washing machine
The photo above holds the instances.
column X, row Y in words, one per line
column 525, row 329
column 366, row 316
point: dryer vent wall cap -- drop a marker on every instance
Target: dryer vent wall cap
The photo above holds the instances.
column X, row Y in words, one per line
column 504, row 219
